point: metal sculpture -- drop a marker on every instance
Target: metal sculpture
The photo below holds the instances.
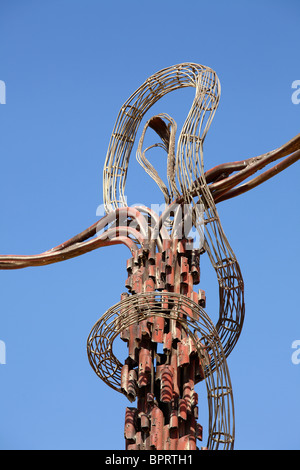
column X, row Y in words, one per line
column 161, row 306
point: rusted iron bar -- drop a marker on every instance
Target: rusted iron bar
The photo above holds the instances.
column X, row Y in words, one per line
column 233, row 192
column 78, row 245
column 222, row 184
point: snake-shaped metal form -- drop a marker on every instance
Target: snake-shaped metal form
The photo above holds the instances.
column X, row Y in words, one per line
column 189, row 185
column 187, row 165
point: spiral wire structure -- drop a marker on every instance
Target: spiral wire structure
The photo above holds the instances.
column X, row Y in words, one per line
column 199, row 328
column 151, row 299
column 189, row 167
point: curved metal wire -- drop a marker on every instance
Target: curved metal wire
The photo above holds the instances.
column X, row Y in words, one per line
column 171, row 306
column 189, row 167
column 191, row 186
column 133, row 110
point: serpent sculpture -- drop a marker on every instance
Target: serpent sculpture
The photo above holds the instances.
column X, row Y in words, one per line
column 160, row 306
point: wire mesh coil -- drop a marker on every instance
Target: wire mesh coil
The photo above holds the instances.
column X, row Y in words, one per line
column 188, row 169
column 198, row 326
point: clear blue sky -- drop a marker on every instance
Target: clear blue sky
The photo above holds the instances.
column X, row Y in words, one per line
column 68, row 66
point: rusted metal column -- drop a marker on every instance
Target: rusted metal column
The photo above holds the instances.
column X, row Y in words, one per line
column 163, row 365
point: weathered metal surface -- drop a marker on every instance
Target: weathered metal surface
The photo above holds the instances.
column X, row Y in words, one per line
column 168, row 354
column 168, row 420
column 193, row 348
